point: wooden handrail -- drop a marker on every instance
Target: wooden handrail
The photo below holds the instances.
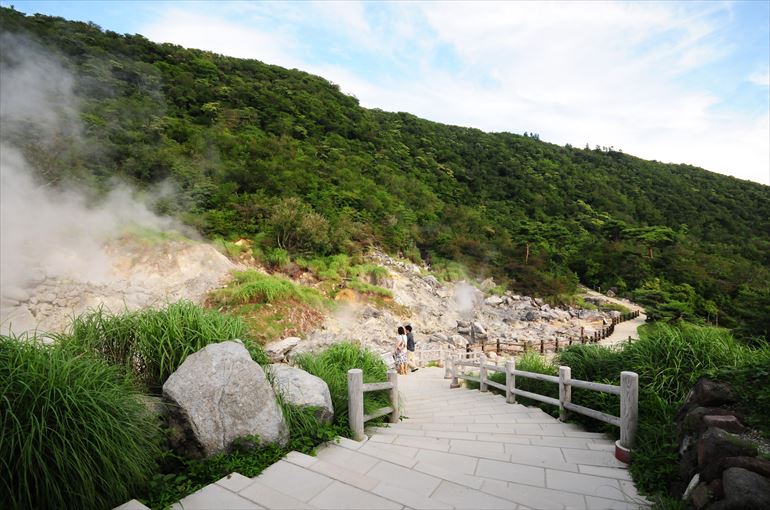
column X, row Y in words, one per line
column 356, row 390
column 628, row 392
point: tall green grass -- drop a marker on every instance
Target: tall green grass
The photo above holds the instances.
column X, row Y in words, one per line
column 669, row 360
column 254, row 287
column 73, row 431
column 332, row 366
column 153, row 343
column 528, row 362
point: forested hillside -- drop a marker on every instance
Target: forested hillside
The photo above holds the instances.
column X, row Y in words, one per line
column 284, row 158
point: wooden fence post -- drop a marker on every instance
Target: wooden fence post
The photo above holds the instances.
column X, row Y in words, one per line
column 482, row 372
column 447, row 365
column 393, row 393
column 565, row 391
column 510, row 381
column 455, row 383
column 542, row 345
column 356, row 403
column 629, row 408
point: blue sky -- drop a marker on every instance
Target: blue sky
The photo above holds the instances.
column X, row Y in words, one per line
column 682, row 82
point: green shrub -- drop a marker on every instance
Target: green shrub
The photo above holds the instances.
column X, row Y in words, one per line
column 366, row 288
column 668, row 359
column 153, row 343
column 74, row 431
column 528, row 362
column 372, row 272
column 332, row 366
column 254, row 287
column 277, row 258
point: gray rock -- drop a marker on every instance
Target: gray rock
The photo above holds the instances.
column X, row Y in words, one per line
column 276, row 351
column 488, row 284
column 438, row 337
column 16, row 294
column 494, row 300
column 222, row 394
column 745, row 489
column 458, row 341
column 432, row 280
column 716, row 444
column 479, row 329
column 531, row 316
column 303, row 389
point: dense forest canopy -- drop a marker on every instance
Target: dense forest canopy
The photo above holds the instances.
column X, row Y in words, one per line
column 284, row 158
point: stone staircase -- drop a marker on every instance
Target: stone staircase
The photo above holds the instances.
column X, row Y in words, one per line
column 455, row 449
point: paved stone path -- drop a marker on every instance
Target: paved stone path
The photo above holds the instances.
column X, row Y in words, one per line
column 624, row 330
column 456, row 449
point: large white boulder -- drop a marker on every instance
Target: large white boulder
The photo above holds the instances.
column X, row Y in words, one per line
column 303, row 389
column 223, row 394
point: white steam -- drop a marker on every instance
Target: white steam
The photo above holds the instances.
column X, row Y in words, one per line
column 50, row 231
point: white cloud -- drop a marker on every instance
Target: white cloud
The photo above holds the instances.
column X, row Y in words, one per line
column 761, row 78
column 610, row 73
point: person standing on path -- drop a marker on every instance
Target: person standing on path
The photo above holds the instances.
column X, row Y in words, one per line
column 399, row 354
column 410, row 348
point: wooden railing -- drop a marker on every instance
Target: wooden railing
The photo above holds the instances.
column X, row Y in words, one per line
column 356, row 390
column 628, row 392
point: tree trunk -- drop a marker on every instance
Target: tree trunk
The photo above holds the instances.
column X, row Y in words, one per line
column 526, row 254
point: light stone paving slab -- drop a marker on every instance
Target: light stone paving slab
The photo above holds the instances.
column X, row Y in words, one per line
column 408, row 498
column 620, row 473
column 534, row 497
column 131, row 505
column 450, row 434
column 300, row 459
column 463, row 497
column 419, row 483
column 449, row 474
column 345, row 475
column 234, row 482
column 583, row 484
column 214, row 496
column 479, row 453
column 271, row 498
column 460, row 463
column 294, row 480
column 424, row 443
column 378, row 452
column 509, row 472
column 590, row 457
column 505, row 438
column 382, row 438
column 353, row 460
column 342, row 496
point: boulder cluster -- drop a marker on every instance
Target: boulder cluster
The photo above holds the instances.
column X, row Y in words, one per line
column 219, row 394
column 721, row 465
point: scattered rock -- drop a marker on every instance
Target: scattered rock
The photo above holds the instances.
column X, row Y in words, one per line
column 222, row 394
column 276, row 351
column 745, row 489
column 494, row 300
column 701, row 496
column 479, row 329
column 708, row 393
column 303, row 389
column 488, row 285
column 716, row 444
column 432, row 280
column 725, row 422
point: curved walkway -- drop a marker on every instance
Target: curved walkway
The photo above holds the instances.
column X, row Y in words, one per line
column 455, row 449
column 624, row 331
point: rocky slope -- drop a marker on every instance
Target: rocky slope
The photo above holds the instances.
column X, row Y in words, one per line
column 142, row 274
column 449, row 315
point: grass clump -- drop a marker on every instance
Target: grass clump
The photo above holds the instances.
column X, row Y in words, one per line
column 332, row 366
column 153, row 343
column 258, row 288
column 448, row 270
column 74, row 432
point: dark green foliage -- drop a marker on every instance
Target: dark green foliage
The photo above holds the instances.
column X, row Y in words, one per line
column 668, row 360
column 74, row 432
column 153, row 343
column 280, row 155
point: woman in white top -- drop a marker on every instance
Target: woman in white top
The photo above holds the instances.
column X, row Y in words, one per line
column 399, row 355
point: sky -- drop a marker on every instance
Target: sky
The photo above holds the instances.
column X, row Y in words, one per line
column 680, row 82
